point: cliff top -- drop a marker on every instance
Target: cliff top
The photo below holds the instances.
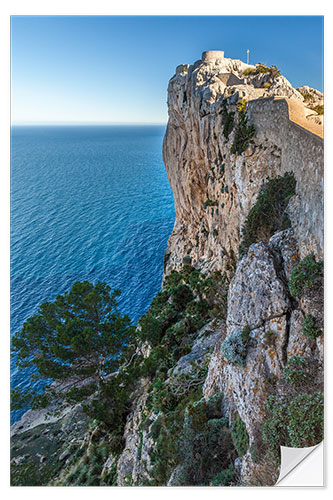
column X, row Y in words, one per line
column 215, row 77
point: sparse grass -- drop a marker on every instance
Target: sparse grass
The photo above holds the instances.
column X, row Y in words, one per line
column 306, row 95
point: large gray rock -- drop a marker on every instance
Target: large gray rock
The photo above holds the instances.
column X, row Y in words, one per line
column 283, row 246
column 256, row 293
column 201, row 349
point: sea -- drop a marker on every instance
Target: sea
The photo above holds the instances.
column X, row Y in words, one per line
column 87, row 203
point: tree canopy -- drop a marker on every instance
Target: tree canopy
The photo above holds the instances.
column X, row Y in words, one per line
column 75, row 341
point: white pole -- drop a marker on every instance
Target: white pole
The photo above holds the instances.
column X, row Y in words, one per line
column 248, row 56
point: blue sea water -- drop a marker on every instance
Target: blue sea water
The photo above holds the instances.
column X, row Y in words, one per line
column 87, row 203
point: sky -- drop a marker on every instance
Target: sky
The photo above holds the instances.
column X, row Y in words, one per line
column 115, row 69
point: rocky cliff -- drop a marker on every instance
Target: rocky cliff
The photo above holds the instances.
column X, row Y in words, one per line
column 231, row 350
column 214, row 187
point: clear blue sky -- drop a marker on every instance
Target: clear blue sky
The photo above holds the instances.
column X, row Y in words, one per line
column 116, row 69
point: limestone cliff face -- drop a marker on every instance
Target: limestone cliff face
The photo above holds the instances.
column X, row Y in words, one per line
column 214, row 188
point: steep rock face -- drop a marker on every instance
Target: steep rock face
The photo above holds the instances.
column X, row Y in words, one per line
column 213, row 187
column 135, row 465
column 258, row 297
column 213, row 190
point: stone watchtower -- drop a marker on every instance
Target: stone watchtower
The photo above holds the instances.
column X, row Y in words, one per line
column 212, row 55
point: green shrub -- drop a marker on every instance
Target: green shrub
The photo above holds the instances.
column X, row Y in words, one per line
column 306, row 420
column 241, row 105
column 234, row 349
column 262, row 68
column 181, row 296
column 205, row 446
column 296, row 422
column 268, row 215
column 151, row 329
column 158, row 302
column 214, row 407
column 273, row 70
column 177, row 312
column 249, row 71
column 295, row 372
column 275, row 433
column 225, row 477
column 311, row 328
column 246, row 333
column 239, row 436
column 305, row 276
column 210, row 203
column 255, row 452
column 156, row 428
column 192, row 437
column 30, row 473
column 87, row 471
column 197, row 312
column 228, row 120
column 272, row 379
column 244, row 134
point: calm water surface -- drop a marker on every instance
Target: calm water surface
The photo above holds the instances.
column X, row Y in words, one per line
column 87, row 203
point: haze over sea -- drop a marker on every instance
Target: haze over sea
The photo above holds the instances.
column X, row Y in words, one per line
column 87, row 203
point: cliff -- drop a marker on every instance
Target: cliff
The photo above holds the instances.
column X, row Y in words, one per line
column 231, row 350
column 215, row 189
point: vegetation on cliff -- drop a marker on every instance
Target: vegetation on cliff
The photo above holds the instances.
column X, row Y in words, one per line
column 78, row 323
column 273, row 70
column 306, row 277
column 268, row 215
column 244, row 133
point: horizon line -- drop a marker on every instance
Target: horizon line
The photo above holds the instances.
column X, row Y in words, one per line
column 38, row 124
